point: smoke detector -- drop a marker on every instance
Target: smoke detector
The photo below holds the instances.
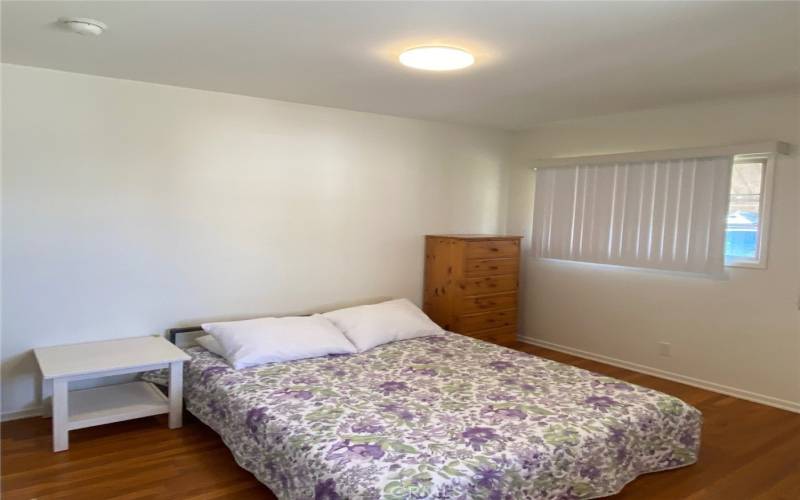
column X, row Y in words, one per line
column 83, row 25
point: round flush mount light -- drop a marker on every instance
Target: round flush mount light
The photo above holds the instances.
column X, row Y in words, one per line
column 436, row 58
column 83, row 25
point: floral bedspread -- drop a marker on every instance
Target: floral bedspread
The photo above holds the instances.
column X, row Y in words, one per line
column 439, row 417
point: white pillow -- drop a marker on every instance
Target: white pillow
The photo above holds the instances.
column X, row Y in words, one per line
column 268, row 340
column 210, row 344
column 376, row 324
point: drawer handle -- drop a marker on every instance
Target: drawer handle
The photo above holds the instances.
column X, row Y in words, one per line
column 494, row 249
column 493, row 268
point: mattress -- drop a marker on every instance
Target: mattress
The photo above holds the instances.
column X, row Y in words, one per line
column 439, row 417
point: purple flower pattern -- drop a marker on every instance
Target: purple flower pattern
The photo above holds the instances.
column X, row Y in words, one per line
column 392, row 386
column 500, row 365
column 326, row 490
column 209, row 373
column 397, row 410
column 602, row 403
column 254, row 418
column 479, row 436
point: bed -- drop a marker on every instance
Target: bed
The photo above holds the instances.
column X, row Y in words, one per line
column 438, row 417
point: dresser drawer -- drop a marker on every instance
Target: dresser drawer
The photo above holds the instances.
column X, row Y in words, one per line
column 489, row 284
column 492, row 249
column 483, row 303
column 490, row 267
column 484, row 321
column 502, row 336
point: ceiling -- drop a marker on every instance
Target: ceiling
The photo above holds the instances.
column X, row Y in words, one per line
column 536, row 61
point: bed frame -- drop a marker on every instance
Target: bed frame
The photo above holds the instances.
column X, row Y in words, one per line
column 184, row 336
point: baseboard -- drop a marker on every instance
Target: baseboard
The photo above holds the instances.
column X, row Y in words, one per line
column 16, row 415
column 755, row 397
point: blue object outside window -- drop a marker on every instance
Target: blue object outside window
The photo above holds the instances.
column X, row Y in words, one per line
column 741, row 236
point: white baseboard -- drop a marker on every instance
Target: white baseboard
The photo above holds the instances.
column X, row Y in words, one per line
column 16, row 415
column 755, row 397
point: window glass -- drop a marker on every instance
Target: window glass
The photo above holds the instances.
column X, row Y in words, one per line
column 744, row 211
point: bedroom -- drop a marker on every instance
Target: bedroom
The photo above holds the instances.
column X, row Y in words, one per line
column 205, row 162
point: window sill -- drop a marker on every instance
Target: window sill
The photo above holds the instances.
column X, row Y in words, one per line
column 747, row 265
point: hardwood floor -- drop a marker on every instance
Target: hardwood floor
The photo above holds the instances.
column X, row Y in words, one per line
column 749, row 451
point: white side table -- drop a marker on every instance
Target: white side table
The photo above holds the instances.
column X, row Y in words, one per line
column 111, row 403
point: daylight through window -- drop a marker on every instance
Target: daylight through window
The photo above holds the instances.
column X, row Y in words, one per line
column 743, row 239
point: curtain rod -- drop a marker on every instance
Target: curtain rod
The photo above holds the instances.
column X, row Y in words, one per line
column 668, row 154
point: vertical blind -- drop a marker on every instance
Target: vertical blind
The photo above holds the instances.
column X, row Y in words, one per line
column 667, row 214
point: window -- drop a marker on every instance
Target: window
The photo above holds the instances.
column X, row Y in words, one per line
column 689, row 210
column 747, row 221
column 665, row 214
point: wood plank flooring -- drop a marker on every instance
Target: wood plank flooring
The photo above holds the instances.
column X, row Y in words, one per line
column 749, row 451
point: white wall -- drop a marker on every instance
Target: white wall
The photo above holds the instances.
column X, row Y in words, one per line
column 129, row 208
column 742, row 333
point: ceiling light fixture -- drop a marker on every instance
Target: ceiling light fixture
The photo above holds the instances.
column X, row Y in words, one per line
column 436, row 58
column 83, row 25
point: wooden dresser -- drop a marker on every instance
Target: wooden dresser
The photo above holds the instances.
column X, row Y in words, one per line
column 471, row 284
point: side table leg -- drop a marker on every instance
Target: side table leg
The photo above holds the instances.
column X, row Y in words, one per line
column 60, row 415
column 47, row 397
column 175, row 395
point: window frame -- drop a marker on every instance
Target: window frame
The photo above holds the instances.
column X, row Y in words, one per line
column 765, row 204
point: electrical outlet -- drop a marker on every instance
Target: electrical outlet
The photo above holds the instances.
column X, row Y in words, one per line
column 665, row 349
